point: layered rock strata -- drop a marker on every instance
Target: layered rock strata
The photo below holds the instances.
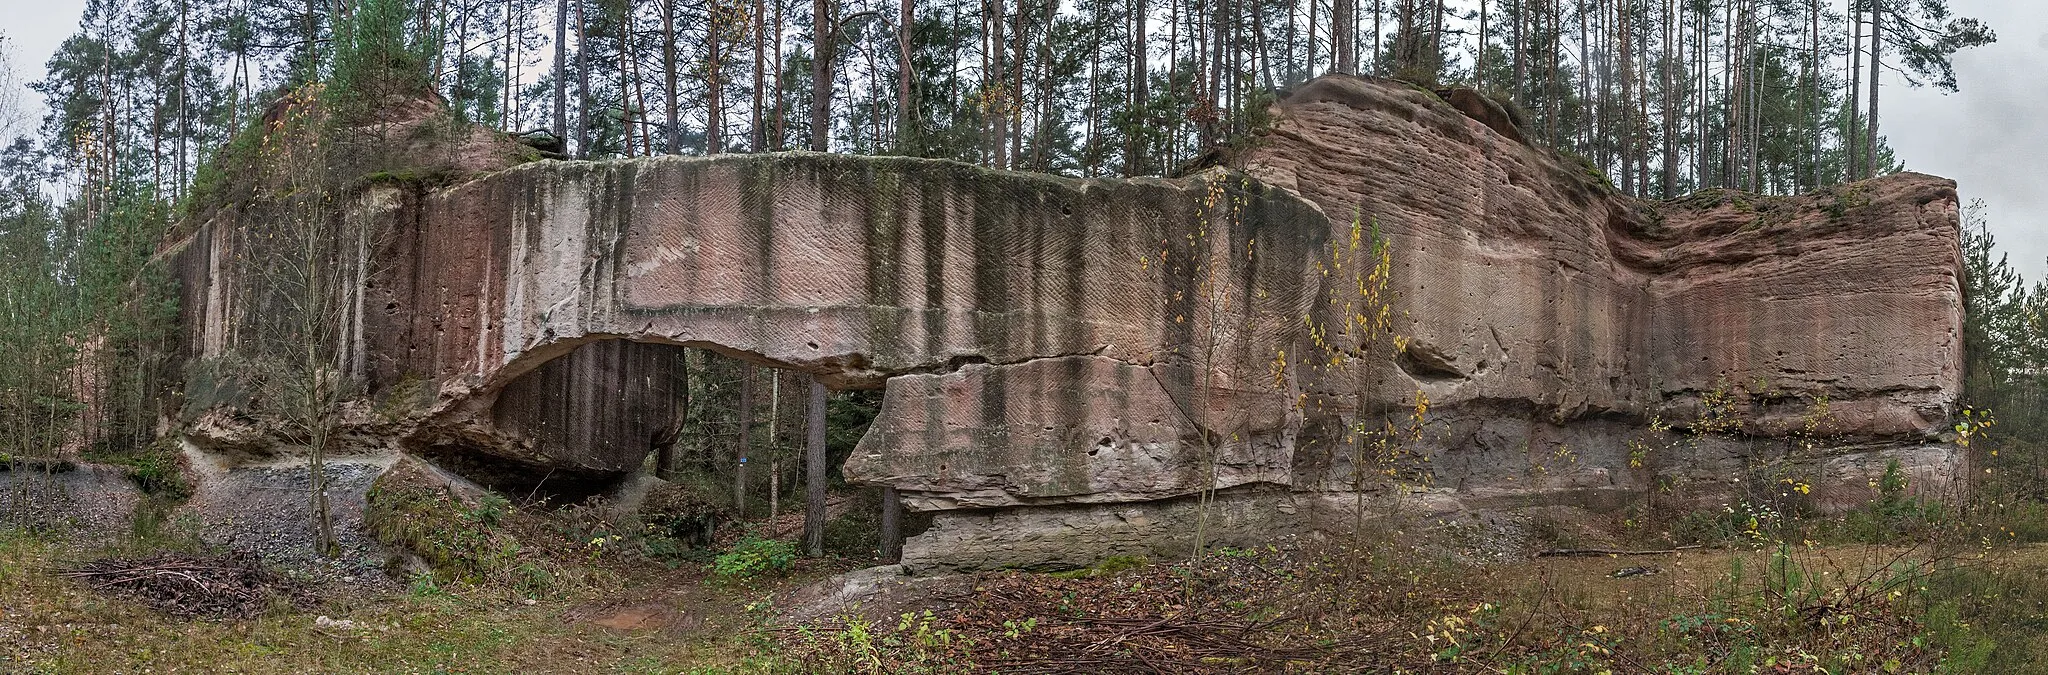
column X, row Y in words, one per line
column 1079, row 368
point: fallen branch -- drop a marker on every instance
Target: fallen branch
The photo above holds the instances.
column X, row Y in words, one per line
column 232, row 586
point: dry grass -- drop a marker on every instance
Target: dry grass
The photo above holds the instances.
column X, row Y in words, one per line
column 1375, row 609
column 1327, row 608
column 50, row 624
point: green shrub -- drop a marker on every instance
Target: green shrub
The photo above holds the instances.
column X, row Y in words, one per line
column 374, row 54
column 753, row 557
column 1895, row 514
column 672, row 552
column 458, row 538
column 159, row 474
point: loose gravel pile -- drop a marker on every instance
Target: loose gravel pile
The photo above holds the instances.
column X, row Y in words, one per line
column 90, row 500
column 267, row 510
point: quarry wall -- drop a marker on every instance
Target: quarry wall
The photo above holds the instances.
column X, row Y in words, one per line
column 1071, row 365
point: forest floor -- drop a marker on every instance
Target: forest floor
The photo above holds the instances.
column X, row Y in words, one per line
column 655, row 621
column 1310, row 608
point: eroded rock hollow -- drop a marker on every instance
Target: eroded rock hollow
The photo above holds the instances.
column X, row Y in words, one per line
column 1080, row 368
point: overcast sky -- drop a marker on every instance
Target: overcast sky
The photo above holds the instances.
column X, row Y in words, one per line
column 1992, row 137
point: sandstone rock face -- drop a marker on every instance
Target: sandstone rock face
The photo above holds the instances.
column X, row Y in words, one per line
column 1554, row 319
column 1535, row 284
column 1077, row 429
column 856, row 270
column 1081, row 368
column 1851, row 294
column 1053, row 538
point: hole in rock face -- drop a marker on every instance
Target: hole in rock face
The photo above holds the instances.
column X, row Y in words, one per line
column 524, row 483
column 1427, row 363
column 724, row 433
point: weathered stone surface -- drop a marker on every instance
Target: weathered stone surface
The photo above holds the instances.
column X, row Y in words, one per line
column 1075, row 429
column 1556, row 318
column 854, row 270
column 1069, row 537
column 1852, row 294
column 1069, row 361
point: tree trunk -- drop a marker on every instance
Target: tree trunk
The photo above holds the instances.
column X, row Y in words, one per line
column 1020, row 37
column 814, row 473
column 774, row 445
column 1813, row 99
column 631, row 96
column 1642, row 113
column 184, row 79
column 739, row 472
column 505, row 121
column 1670, row 179
column 1434, row 64
column 1556, row 89
column 1626, row 101
column 1876, row 69
column 906, row 115
column 1134, row 146
column 1732, row 67
column 582, row 86
column 821, row 75
column 1308, row 68
column 1851, row 136
column 891, row 548
column 781, row 112
column 673, row 136
column 1521, row 64
column 1479, row 70
column 1379, row 10
column 1343, row 36
column 1753, row 95
column 309, row 24
column 757, row 135
column 1209, row 132
column 562, row 72
column 665, row 462
column 714, row 83
column 999, row 105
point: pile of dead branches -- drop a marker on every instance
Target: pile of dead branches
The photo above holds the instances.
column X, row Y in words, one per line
column 232, row 586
